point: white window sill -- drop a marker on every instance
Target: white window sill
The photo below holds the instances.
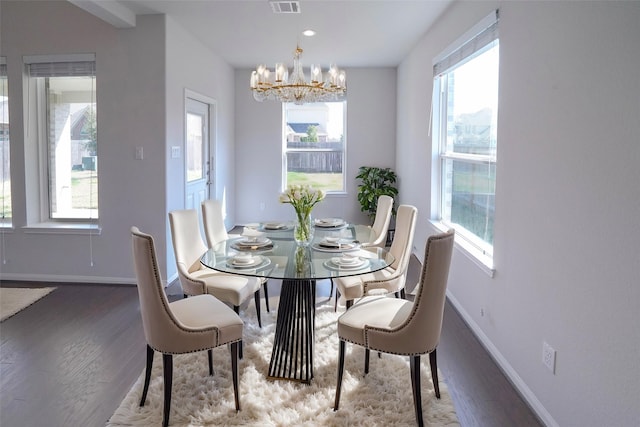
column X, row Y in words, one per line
column 483, row 261
column 62, row 228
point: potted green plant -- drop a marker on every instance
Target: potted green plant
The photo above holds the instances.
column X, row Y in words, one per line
column 376, row 181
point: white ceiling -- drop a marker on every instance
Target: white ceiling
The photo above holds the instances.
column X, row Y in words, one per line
column 350, row 33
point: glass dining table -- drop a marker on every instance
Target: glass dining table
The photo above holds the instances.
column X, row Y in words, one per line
column 269, row 250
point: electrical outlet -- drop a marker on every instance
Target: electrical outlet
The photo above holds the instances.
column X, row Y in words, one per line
column 549, row 357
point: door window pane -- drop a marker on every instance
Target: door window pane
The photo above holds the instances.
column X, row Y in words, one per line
column 195, row 140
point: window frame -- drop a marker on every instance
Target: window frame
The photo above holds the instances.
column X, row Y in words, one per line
column 38, row 126
column 6, row 221
column 286, row 150
column 478, row 40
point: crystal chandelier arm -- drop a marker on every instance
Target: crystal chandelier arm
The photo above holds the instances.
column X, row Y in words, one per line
column 279, row 86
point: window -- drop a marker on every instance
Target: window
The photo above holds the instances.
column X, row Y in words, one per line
column 314, row 145
column 465, row 118
column 62, row 102
column 5, row 169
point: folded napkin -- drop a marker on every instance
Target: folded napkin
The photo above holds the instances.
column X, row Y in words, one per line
column 242, row 259
column 274, row 226
column 251, row 232
column 329, row 222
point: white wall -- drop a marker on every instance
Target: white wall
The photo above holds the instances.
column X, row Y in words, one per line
column 191, row 66
column 142, row 74
column 130, row 96
column 371, row 124
column 567, row 201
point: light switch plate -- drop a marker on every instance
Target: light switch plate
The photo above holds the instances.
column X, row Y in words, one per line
column 175, row 152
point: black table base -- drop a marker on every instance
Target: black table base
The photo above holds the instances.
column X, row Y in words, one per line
column 292, row 355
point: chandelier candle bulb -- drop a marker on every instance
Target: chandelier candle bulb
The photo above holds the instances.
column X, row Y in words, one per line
column 281, row 73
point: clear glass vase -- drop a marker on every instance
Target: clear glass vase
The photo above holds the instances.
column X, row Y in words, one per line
column 303, row 230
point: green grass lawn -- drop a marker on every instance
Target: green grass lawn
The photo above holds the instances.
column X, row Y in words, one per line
column 321, row 181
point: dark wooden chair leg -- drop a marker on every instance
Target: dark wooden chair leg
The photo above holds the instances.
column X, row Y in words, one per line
column 397, row 294
column 434, row 372
column 335, row 304
column 367, row 353
column 167, row 367
column 403, row 294
column 184, row 295
column 414, row 362
column 236, row 308
column 256, row 298
column 331, row 290
column 340, row 372
column 210, row 355
column 234, row 372
column 349, row 303
column 266, row 295
column 147, row 374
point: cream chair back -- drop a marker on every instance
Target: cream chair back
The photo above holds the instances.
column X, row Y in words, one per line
column 419, row 333
column 213, row 219
column 425, row 323
column 403, row 237
column 160, row 326
column 187, row 240
column 380, row 227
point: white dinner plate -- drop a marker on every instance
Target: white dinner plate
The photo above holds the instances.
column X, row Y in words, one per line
column 331, row 264
column 333, row 247
column 275, row 226
column 257, row 261
column 330, row 223
column 250, row 243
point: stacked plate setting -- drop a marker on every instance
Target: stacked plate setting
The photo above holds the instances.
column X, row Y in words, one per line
column 275, row 226
column 348, row 262
column 330, row 223
column 335, row 244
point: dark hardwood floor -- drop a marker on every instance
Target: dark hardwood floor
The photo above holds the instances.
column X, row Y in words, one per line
column 70, row 358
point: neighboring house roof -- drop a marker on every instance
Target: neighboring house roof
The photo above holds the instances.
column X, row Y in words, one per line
column 78, row 120
column 303, row 127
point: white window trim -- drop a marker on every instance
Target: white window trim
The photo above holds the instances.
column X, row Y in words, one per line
column 466, row 245
column 47, row 225
column 285, row 150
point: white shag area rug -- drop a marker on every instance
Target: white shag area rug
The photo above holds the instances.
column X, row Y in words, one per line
column 382, row 398
column 13, row 300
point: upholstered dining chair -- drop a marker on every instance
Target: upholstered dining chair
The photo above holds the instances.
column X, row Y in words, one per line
column 384, row 209
column 397, row 326
column 216, row 232
column 184, row 326
column 392, row 278
column 197, row 279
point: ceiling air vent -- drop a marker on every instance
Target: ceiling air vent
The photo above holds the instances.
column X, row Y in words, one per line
column 285, row 6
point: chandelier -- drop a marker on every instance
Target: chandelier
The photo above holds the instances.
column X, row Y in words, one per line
column 278, row 85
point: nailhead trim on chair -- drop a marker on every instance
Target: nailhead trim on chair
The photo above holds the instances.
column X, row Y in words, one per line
column 156, row 273
column 419, row 297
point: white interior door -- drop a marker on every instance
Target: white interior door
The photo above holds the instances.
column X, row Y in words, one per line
column 198, row 167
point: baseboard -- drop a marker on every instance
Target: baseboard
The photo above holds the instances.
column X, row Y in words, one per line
column 71, row 279
column 531, row 399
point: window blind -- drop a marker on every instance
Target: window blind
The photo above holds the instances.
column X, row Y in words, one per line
column 60, row 65
column 470, row 44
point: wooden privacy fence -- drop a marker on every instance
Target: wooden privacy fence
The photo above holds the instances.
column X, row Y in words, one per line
column 315, row 157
